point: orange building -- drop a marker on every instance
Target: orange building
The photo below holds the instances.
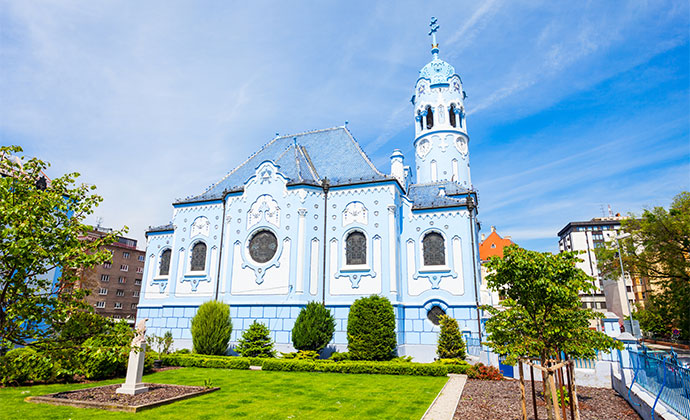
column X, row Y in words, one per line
column 493, row 245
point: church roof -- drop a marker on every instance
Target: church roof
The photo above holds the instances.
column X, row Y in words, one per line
column 428, row 196
column 437, row 71
column 304, row 158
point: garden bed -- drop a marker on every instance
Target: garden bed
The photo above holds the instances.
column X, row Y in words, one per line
column 500, row 400
column 105, row 397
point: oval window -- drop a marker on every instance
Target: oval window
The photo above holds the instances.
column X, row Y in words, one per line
column 263, row 246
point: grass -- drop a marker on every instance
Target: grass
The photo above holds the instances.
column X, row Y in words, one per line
column 255, row 395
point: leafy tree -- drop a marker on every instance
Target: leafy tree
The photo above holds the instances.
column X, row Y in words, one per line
column 41, row 230
column 542, row 314
column 656, row 247
column 371, row 329
column 313, row 328
column 211, row 328
column 450, row 342
column 652, row 318
column 256, row 342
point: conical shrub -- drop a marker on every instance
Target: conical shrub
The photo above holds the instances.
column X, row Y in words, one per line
column 313, row 328
column 211, row 328
column 371, row 329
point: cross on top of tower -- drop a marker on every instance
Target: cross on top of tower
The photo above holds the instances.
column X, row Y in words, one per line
column 434, row 28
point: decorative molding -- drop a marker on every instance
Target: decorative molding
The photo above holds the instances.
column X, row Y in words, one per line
column 355, row 212
column 438, row 215
column 265, row 207
column 200, row 226
column 461, row 145
column 195, row 280
column 361, row 191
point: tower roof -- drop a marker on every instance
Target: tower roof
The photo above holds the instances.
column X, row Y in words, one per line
column 437, row 71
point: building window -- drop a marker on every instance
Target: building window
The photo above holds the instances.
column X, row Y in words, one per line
column 434, row 249
column 120, row 292
column 198, row 257
column 135, row 293
column 434, row 313
column 137, row 282
column 121, row 280
column 164, row 268
column 356, row 249
column 100, row 304
column 125, row 255
column 105, row 278
column 116, row 316
column 102, row 291
column 140, row 270
column 429, row 117
column 451, row 115
column 140, row 258
column 107, row 264
column 118, row 305
column 124, row 267
column 133, row 306
column 263, row 246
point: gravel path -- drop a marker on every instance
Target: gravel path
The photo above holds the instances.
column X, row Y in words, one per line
column 500, row 400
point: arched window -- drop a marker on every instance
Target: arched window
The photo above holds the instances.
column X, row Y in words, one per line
column 434, row 313
column 434, row 249
column 429, row 117
column 421, row 120
column 164, row 266
column 198, row 257
column 356, row 249
column 451, row 115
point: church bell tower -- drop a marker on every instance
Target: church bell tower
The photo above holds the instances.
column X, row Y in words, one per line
column 441, row 140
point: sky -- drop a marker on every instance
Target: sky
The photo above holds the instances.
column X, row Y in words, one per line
column 572, row 106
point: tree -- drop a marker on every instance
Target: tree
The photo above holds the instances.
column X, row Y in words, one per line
column 542, row 314
column 450, row 342
column 656, row 246
column 256, row 342
column 41, row 230
column 211, row 328
column 371, row 329
column 313, row 328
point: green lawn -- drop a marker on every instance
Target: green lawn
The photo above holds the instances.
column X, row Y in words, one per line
column 255, row 395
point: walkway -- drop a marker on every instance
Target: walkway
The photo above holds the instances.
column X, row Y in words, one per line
column 443, row 407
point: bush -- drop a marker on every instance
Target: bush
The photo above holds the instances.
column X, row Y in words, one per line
column 301, row 355
column 162, row 344
column 480, row 371
column 450, row 342
column 371, row 329
column 313, row 328
column 106, row 355
column 339, row 357
column 380, row 368
column 456, row 366
column 256, row 342
column 25, row 364
column 193, row 360
column 211, row 328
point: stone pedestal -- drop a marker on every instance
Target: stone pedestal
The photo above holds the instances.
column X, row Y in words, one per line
column 135, row 370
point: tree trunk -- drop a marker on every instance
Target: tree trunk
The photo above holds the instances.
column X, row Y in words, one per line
column 547, row 394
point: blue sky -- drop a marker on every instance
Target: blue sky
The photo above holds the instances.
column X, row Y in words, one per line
column 571, row 105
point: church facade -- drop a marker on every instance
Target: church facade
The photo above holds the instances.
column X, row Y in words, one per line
column 309, row 217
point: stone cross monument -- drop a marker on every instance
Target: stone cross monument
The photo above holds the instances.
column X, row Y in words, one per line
column 135, row 365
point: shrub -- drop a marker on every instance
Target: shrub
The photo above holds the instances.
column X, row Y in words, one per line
column 480, row 371
column 339, row 357
column 450, row 342
column 211, row 328
column 313, row 328
column 301, row 355
column 207, row 361
column 371, row 329
column 368, row 367
column 456, row 366
column 25, row 364
column 106, row 355
column 256, row 342
column 162, row 344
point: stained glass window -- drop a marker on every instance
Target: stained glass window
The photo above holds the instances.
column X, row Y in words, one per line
column 263, row 246
column 164, row 268
column 434, row 249
column 434, row 313
column 198, row 257
column 356, row 248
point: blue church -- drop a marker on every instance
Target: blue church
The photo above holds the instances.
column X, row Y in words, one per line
column 308, row 217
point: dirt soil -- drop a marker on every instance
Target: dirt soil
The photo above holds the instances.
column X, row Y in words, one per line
column 500, row 400
column 106, row 394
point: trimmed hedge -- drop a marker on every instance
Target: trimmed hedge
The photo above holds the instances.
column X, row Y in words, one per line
column 211, row 328
column 376, row 368
column 371, row 329
column 206, row 361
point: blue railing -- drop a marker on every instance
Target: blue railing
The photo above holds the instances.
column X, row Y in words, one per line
column 664, row 377
column 474, row 346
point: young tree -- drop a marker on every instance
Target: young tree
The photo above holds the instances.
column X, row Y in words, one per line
column 211, row 328
column 542, row 313
column 656, row 246
column 450, row 342
column 256, row 342
column 313, row 328
column 41, row 230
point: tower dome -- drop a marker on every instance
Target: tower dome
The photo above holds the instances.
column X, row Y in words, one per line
column 437, row 71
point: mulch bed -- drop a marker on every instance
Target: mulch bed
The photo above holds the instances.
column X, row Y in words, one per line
column 106, row 398
column 500, row 400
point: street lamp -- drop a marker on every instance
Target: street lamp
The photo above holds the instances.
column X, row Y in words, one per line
column 620, row 261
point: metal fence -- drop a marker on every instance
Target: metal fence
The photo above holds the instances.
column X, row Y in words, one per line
column 663, row 376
